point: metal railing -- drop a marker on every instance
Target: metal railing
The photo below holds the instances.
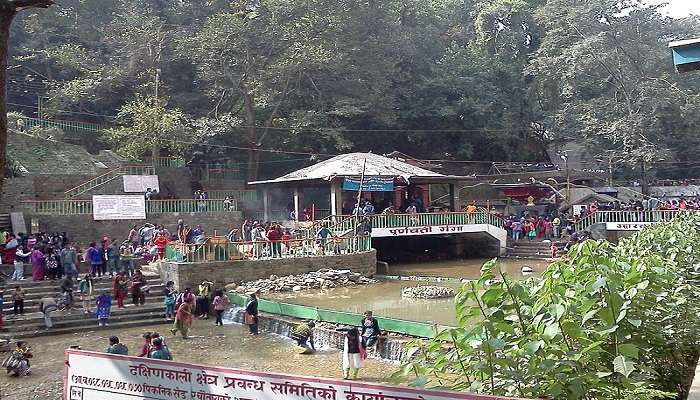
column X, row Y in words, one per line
column 433, row 219
column 629, row 216
column 77, row 207
column 240, row 195
column 58, row 207
column 108, row 177
column 167, row 162
column 216, row 251
column 63, row 125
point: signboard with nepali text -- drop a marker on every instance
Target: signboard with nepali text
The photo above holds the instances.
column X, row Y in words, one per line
column 102, row 376
column 627, row 226
column 140, row 183
column 118, row 207
column 369, row 184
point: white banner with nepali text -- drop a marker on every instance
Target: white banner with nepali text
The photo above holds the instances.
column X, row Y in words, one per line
column 101, row 376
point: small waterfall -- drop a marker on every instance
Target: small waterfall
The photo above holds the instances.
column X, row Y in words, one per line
column 325, row 335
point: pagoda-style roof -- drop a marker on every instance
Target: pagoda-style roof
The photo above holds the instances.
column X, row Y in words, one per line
column 351, row 165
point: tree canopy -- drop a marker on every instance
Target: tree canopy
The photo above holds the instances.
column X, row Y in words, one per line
column 482, row 79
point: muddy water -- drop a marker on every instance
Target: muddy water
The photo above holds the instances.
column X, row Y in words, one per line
column 385, row 298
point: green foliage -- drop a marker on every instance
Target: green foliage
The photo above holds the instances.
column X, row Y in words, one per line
column 610, row 322
column 147, row 126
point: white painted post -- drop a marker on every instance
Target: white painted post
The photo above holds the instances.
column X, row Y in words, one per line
column 266, row 204
column 296, row 204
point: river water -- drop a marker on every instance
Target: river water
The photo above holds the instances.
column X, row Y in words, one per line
column 384, row 298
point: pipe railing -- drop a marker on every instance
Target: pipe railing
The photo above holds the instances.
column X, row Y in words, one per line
column 240, row 195
column 78, row 207
column 230, row 251
column 628, row 216
column 136, row 169
column 167, row 162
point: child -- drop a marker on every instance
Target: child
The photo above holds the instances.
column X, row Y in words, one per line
column 220, row 303
column 18, row 298
column 169, row 300
column 554, row 250
column 104, row 308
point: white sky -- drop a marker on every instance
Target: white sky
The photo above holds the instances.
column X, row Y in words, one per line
column 680, row 8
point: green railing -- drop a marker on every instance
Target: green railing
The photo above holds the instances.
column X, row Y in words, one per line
column 628, row 216
column 222, row 250
column 223, row 174
column 240, row 195
column 400, row 326
column 77, row 207
column 63, row 125
column 110, row 176
column 167, row 162
column 188, row 206
column 58, row 207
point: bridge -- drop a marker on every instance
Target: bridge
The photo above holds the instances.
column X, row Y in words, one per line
column 628, row 220
column 421, row 224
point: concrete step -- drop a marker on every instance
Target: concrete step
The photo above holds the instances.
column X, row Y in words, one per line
column 33, row 304
column 62, row 319
column 84, row 329
column 27, row 282
column 37, row 292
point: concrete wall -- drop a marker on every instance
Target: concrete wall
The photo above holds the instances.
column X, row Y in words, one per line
column 15, row 190
column 82, row 229
column 225, row 272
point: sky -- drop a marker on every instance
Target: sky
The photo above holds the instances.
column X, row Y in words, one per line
column 680, row 8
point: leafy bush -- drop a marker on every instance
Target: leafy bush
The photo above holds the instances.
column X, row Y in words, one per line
column 612, row 321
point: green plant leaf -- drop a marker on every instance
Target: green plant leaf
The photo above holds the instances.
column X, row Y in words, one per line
column 622, row 366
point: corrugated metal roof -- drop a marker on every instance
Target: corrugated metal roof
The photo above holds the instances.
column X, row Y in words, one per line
column 350, row 165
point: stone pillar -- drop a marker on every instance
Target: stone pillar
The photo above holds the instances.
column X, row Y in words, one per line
column 296, row 204
column 454, row 201
column 266, row 204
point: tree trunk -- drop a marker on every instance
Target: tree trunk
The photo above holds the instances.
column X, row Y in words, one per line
column 5, row 22
column 253, row 153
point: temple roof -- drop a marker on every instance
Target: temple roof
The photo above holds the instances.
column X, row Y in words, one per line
column 351, row 165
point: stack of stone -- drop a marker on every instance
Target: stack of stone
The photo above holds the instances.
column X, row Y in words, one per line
column 427, row 292
column 321, row 279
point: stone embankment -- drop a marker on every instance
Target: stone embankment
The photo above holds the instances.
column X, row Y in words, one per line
column 427, row 292
column 321, row 279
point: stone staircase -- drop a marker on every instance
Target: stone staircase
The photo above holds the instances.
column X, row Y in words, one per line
column 532, row 250
column 31, row 324
column 5, row 223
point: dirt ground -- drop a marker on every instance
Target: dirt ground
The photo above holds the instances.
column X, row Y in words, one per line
column 228, row 346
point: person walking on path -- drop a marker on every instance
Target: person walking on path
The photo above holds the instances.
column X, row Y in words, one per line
column 353, row 354
column 38, row 268
column 18, row 301
column 21, row 257
column 47, row 306
column 220, row 302
column 138, row 283
column 203, row 299
column 67, row 287
column 86, row 291
column 169, row 300
column 117, row 348
column 183, row 319
column 160, row 351
column 103, row 309
column 251, row 313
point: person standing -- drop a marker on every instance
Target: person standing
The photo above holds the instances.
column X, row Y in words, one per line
column 370, row 330
column 93, row 256
column 18, row 301
column 273, row 236
column 21, row 257
column 67, row 287
column 352, row 354
column 161, row 243
column 220, row 302
column 103, row 308
column 86, row 290
column 51, row 262
column 147, row 345
column 134, row 238
column 120, row 288
column 69, row 260
column 251, row 313
column 2, row 304
column 203, row 299
column 183, row 319
column 160, row 351
column 169, row 300
column 38, row 268
column 138, row 282
column 556, row 225
column 47, row 306
column 117, row 348
column 113, row 258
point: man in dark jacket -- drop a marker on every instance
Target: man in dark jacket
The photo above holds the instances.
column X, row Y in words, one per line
column 370, row 330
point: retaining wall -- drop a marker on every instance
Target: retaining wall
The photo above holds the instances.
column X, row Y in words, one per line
column 225, row 272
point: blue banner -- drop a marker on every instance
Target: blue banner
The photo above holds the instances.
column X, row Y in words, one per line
column 369, row 184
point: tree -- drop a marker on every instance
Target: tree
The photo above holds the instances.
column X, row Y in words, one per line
column 8, row 10
column 147, row 125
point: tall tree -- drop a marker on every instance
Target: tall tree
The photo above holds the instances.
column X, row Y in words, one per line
column 8, row 10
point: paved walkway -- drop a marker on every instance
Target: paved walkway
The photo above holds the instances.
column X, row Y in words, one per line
column 695, row 387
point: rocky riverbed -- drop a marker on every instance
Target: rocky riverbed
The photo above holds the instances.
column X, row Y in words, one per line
column 427, row 292
column 321, row 279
